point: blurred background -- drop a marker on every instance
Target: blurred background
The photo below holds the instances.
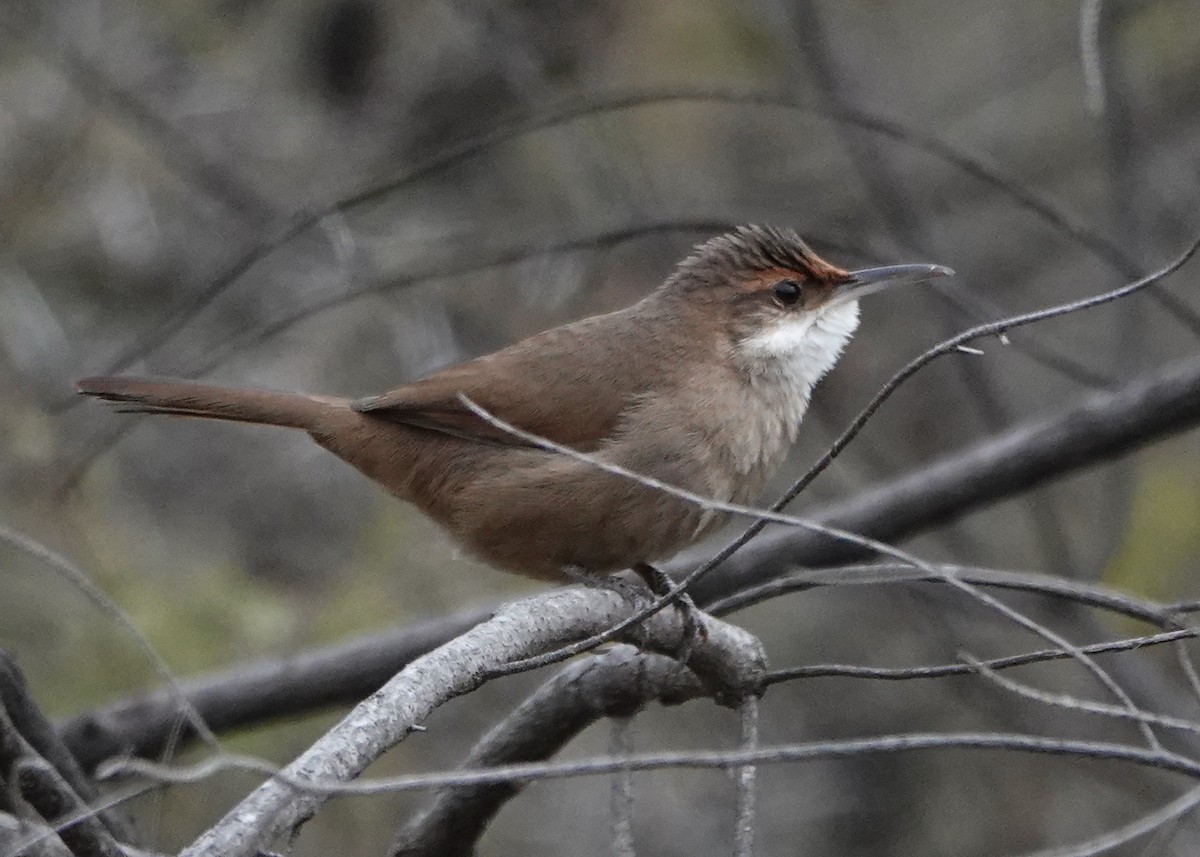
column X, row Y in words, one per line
column 340, row 195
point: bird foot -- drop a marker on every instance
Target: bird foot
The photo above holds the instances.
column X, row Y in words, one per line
column 659, row 584
column 633, row 594
column 694, row 629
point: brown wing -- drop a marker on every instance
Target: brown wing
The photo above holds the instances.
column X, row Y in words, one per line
column 560, row 384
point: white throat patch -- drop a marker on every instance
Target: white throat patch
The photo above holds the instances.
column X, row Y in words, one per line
column 803, row 348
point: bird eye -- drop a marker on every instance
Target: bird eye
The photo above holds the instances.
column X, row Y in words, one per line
column 788, row 292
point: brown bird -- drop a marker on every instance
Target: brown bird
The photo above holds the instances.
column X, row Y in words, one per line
column 702, row 385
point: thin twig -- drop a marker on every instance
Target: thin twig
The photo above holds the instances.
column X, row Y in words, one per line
column 1063, row 700
column 1083, row 593
column 949, row 346
column 695, row 759
column 620, row 807
column 747, row 782
column 995, row 328
column 28, row 838
column 1100, row 427
column 944, row 670
column 1139, row 827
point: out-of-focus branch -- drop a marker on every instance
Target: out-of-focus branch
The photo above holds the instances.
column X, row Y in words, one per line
column 1103, row 426
column 31, row 723
column 16, row 833
column 24, row 836
column 216, row 175
column 578, row 108
column 37, row 783
column 614, row 684
column 260, row 691
column 727, row 659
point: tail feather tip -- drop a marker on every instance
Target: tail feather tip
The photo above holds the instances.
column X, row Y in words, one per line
column 96, row 386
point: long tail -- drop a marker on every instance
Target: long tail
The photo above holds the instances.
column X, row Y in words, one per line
column 189, row 399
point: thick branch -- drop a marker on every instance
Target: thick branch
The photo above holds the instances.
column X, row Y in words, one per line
column 1103, row 426
column 614, row 684
column 728, row 658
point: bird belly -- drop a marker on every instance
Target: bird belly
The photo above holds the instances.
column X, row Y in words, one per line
column 537, row 519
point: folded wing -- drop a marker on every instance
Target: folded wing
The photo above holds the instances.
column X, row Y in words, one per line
column 559, row 384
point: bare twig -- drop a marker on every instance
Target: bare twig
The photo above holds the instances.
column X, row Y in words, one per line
column 995, row 328
column 1102, row 427
column 747, row 782
column 39, row 835
column 28, row 838
column 15, row 838
column 1095, row 595
column 944, row 670
column 1139, row 827
column 908, row 742
column 620, row 745
column 1063, row 700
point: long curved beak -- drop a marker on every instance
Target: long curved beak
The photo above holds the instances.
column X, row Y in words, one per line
column 871, row 280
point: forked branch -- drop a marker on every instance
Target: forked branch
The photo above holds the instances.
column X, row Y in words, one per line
column 727, row 659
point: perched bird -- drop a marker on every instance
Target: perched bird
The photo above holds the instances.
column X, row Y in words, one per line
column 702, row 385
